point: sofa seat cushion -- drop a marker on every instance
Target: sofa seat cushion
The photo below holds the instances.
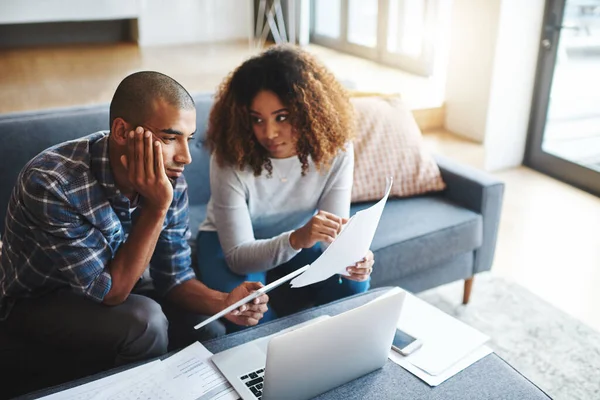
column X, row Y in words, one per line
column 417, row 233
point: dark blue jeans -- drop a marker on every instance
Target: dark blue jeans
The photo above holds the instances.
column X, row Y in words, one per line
column 213, row 271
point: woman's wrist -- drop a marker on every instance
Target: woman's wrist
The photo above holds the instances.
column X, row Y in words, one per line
column 294, row 241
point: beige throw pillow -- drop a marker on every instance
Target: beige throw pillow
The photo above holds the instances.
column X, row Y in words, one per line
column 388, row 143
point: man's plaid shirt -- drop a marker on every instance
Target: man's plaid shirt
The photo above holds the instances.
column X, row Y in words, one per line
column 66, row 220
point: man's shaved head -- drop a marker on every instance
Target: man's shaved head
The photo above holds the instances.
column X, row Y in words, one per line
column 135, row 96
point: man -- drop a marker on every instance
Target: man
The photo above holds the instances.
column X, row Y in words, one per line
column 87, row 217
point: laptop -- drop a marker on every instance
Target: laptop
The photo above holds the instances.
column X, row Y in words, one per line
column 316, row 357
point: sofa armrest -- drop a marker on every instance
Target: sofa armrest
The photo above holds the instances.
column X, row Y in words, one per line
column 479, row 192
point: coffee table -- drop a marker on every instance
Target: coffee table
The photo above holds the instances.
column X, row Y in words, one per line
column 489, row 378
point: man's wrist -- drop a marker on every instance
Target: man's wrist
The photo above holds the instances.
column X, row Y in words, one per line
column 195, row 296
column 155, row 212
column 221, row 301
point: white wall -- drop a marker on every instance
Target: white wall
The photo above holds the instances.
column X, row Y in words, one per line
column 513, row 80
column 164, row 22
column 491, row 75
column 160, row 22
column 473, row 33
column 27, row 11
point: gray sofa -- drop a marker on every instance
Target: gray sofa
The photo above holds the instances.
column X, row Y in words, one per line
column 421, row 242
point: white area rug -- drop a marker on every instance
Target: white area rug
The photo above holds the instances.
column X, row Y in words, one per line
column 558, row 353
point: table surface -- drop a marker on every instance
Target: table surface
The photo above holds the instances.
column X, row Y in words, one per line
column 489, row 378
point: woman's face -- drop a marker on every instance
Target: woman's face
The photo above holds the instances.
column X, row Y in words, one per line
column 271, row 125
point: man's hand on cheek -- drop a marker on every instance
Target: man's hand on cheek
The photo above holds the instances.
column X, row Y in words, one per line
column 145, row 169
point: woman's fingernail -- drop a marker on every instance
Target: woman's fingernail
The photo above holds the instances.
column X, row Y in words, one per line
column 235, row 312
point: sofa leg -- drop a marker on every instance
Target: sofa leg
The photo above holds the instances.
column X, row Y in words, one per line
column 467, row 292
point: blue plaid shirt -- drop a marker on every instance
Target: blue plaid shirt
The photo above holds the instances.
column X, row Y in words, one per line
column 66, row 220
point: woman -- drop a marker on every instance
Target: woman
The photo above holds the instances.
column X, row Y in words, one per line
column 280, row 177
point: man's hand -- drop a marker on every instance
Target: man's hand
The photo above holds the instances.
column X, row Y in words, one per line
column 146, row 171
column 361, row 271
column 323, row 227
column 248, row 314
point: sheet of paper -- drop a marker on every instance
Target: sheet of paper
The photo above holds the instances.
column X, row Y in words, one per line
column 432, row 380
column 350, row 246
column 187, row 375
column 445, row 339
column 94, row 388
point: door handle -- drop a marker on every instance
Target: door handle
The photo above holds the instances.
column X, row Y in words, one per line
column 546, row 44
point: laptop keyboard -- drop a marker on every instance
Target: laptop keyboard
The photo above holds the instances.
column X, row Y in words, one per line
column 254, row 382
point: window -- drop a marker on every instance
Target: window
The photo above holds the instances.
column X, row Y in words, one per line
column 394, row 32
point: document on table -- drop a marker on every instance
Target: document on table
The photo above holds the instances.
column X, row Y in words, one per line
column 349, row 247
column 446, row 340
column 94, row 388
column 434, row 380
column 187, row 375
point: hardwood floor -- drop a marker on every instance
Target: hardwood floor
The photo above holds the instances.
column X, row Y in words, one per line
column 49, row 77
column 548, row 239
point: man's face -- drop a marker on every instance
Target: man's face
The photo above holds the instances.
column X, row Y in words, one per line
column 174, row 128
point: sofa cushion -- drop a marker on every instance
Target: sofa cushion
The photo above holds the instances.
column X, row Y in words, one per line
column 388, row 143
column 417, row 233
column 197, row 173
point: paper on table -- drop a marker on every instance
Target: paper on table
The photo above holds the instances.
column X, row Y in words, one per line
column 445, row 339
column 431, row 380
column 187, row 375
column 350, row 246
column 91, row 389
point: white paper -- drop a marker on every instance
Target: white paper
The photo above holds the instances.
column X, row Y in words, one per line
column 187, row 375
column 431, row 380
column 446, row 340
column 94, row 388
column 348, row 248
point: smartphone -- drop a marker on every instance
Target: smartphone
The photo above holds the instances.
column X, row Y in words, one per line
column 404, row 343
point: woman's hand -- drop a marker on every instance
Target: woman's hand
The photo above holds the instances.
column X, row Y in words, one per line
column 361, row 271
column 323, row 227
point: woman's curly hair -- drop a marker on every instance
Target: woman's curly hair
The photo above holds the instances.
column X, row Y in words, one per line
column 321, row 115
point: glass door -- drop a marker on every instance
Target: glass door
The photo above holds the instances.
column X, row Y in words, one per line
column 564, row 134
